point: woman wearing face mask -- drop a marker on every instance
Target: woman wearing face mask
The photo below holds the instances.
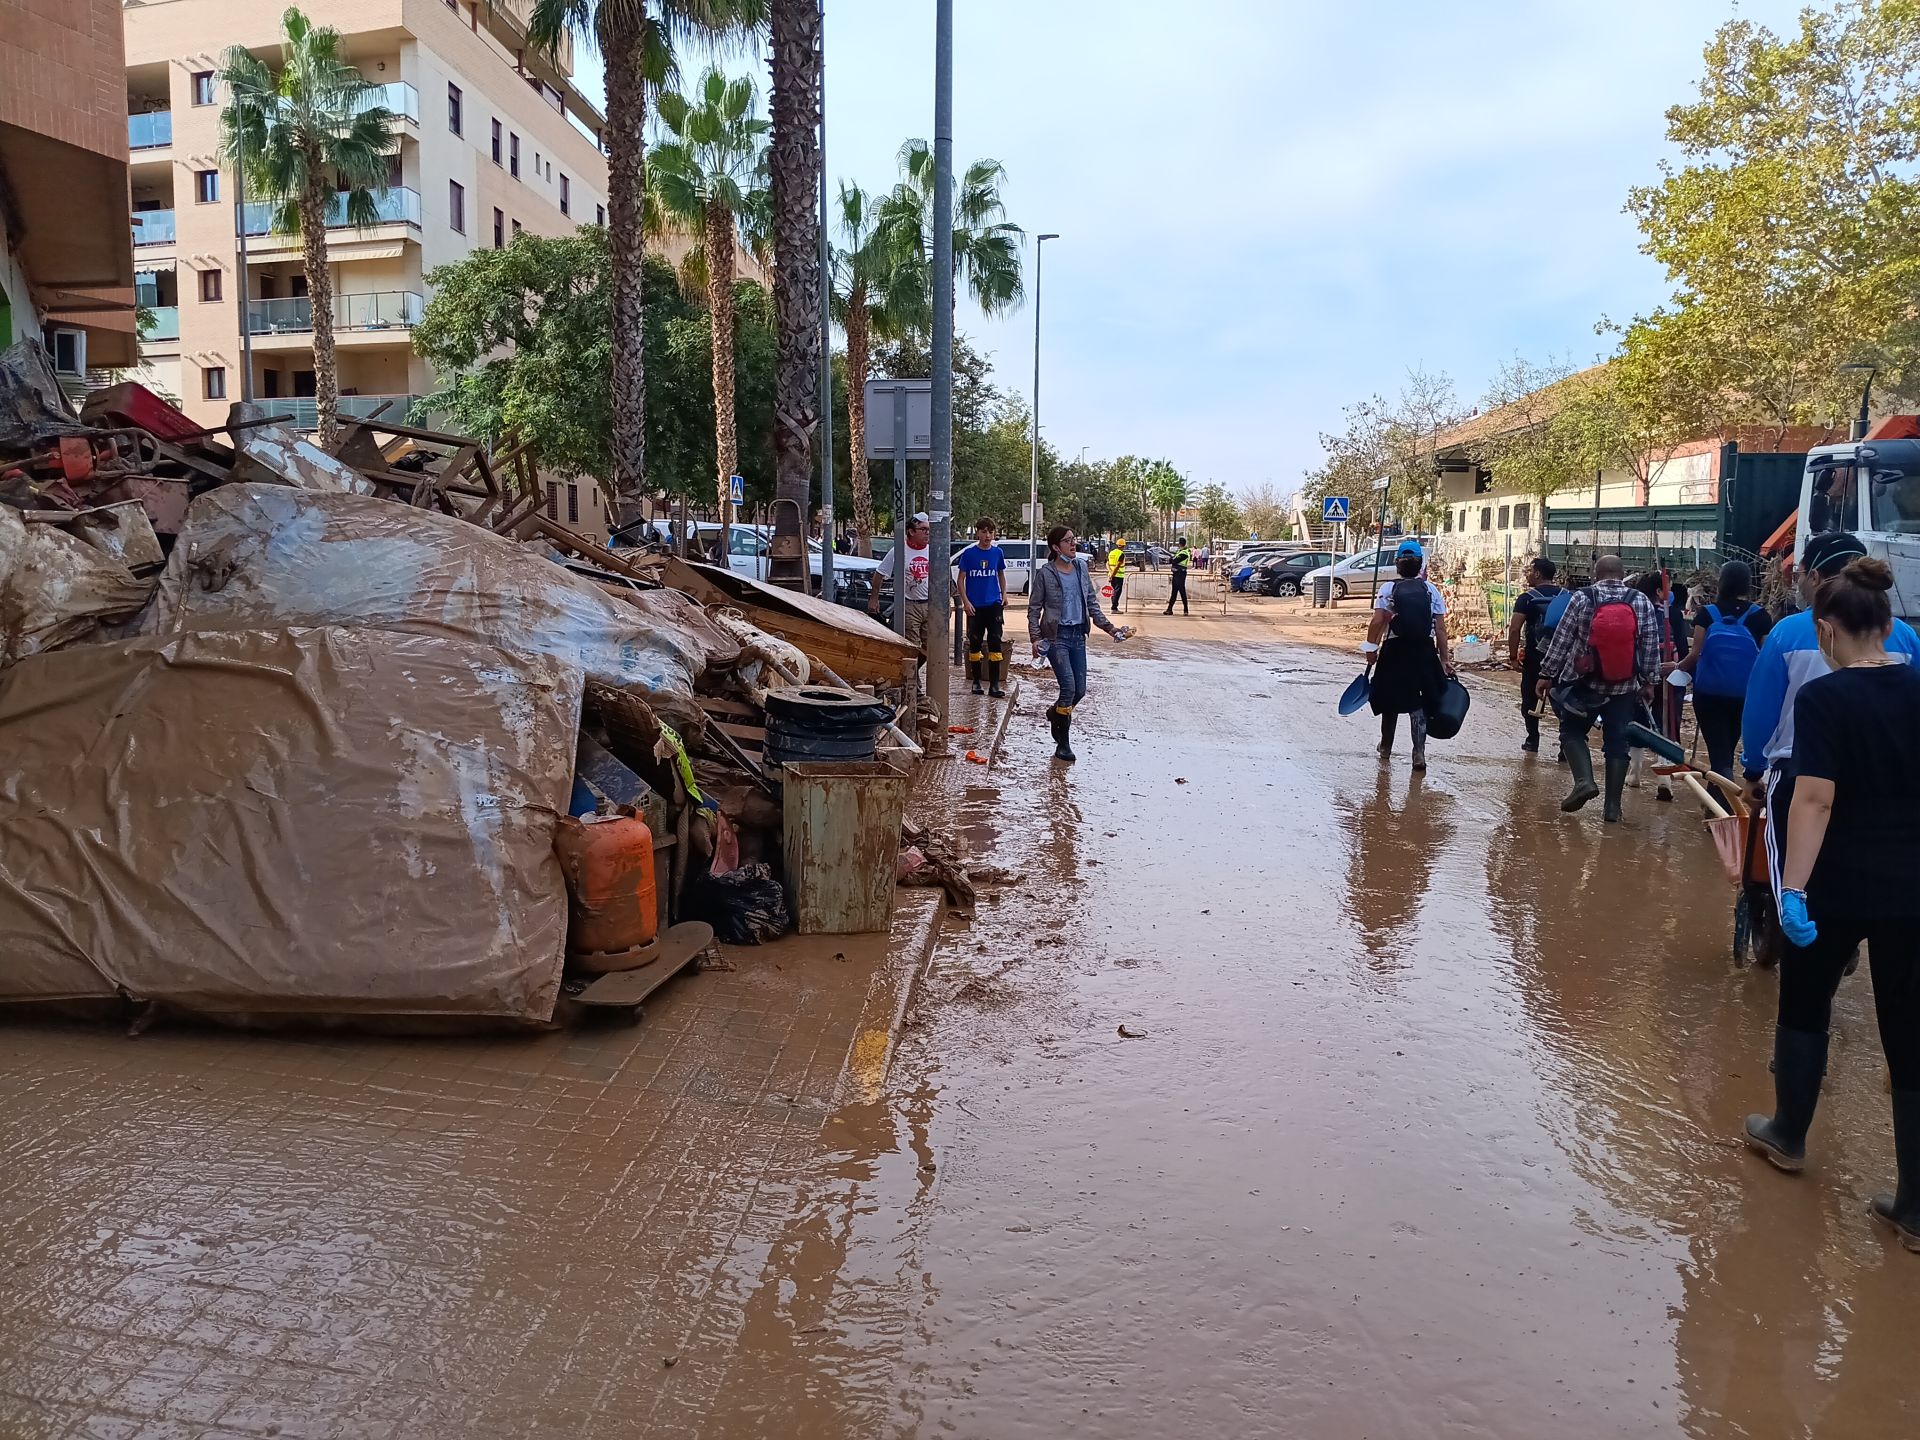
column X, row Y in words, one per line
column 1061, row 609
column 1853, row 848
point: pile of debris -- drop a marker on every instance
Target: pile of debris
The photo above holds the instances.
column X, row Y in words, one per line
column 294, row 732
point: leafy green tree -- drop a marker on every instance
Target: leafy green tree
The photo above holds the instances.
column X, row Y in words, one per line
column 305, row 136
column 522, row 340
column 870, row 291
column 1791, row 231
column 1391, row 440
column 986, row 245
column 1090, row 497
column 704, row 181
column 1219, row 515
column 637, row 38
column 1265, row 512
column 1167, row 488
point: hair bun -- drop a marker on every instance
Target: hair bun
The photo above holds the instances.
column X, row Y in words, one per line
column 1869, row 573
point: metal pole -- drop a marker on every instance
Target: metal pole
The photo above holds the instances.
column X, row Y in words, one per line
column 240, row 279
column 939, row 496
column 826, row 348
column 900, row 510
column 1033, row 512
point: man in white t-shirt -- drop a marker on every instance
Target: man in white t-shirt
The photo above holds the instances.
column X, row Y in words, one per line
column 919, row 567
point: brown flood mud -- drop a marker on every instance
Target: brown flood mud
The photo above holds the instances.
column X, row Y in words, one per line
column 1428, row 1131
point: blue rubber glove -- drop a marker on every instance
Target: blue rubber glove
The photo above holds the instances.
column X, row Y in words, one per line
column 1794, row 920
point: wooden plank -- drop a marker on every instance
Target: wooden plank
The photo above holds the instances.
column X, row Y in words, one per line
column 715, row 705
column 749, row 734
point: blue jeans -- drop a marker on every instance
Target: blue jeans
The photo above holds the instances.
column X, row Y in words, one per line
column 1068, row 656
column 1614, row 713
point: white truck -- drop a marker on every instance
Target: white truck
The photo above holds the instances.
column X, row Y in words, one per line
column 1871, row 487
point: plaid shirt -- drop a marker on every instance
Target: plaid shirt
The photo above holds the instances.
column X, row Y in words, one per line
column 1572, row 636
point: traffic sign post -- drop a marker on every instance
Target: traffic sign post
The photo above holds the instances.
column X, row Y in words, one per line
column 900, row 427
column 1334, row 510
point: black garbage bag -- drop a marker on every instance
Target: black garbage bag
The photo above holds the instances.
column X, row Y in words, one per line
column 744, row 906
column 1449, row 712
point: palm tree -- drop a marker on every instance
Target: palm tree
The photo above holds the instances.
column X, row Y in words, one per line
column 1168, row 488
column 986, row 246
column 302, row 136
column 870, row 291
column 703, row 182
column 636, row 38
column 796, row 63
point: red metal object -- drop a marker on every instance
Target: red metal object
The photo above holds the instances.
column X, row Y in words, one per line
column 75, row 454
column 133, row 406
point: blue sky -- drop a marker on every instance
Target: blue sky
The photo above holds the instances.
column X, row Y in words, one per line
column 1268, row 210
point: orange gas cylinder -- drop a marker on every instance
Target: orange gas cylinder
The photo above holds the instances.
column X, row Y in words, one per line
column 613, row 913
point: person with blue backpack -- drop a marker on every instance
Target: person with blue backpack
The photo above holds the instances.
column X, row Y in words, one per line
column 1727, row 636
column 1536, row 615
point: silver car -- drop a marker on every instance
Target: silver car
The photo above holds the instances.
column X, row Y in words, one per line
column 1357, row 574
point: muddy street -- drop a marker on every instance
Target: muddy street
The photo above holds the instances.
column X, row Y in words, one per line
column 1427, row 1131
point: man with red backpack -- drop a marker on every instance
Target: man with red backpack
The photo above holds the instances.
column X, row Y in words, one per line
column 1602, row 663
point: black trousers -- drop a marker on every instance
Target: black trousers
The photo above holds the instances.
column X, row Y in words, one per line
column 1119, row 583
column 1719, row 719
column 986, row 644
column 1809, row 978
column 1179, row 592
column 1530, row 703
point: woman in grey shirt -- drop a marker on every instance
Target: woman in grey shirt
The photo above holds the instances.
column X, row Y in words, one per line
column 1062, row 607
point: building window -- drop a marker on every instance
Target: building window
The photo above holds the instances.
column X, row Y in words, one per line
column 210, row 282
column 203, row 87
column 457, row 206
column 553, row 499
column 1522, row 514
column 1506, row 517
column 513, row 155
column 206, row 186
column 566, row 197
column 496, row 142
column 213, row 382
column 573, row 504
column 499, row 229
column 536, row 164
column 600, row 215
column 1446, row 523
column 1486, row 517
column 516, row 227
column 1482, row 482
column 453, row 109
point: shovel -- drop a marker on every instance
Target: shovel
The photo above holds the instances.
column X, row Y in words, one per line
column 1677, row 763
column 1355, row 696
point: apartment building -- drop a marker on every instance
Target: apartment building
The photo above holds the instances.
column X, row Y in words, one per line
column 65, row 266
column 493, row 138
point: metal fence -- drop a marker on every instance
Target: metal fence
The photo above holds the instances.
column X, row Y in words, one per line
column 1678, row 537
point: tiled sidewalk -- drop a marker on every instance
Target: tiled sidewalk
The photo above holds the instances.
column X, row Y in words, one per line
column 214, row 1234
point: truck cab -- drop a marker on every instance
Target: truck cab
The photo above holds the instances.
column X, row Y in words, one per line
column 1871, row 487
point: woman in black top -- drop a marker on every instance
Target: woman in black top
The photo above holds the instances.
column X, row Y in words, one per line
column 1853, row 850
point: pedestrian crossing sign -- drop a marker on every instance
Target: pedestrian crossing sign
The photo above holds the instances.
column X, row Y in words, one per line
column 1333, row 510
column 736, row 490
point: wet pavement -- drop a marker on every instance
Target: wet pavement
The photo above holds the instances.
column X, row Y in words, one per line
column 1428, row 1133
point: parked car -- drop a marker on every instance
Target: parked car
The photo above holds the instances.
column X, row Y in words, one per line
column 1285, row 575
column 747, row 550
column 1357, row 574
column 1136, row 555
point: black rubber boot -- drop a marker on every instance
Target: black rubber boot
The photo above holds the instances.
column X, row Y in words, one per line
column 1580, row 761
column 1901, row 1209
column 1063, row 731
column 1617, row 766
column 1532, row 743
column 1799, row 1063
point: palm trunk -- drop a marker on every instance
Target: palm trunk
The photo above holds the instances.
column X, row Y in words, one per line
column 313, row 251
column 795, row 167
column 859, row 361
column 718, row 231
column 626, row 190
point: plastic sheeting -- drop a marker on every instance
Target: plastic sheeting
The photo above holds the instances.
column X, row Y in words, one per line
column 55, row 588
column 308, row 821
column 260, row 556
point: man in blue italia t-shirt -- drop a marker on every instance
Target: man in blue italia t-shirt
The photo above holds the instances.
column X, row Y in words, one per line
column 982, row 568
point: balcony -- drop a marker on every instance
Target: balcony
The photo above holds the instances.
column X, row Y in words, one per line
column 398, row 96
column 382, row 310
column 166, row 324
column 399, row 206
column 304, row 416
column 150, row 131
column 153, row 227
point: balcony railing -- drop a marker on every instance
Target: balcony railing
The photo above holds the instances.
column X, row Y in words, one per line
column 153, row 227
column 166, row 324
column 399, row 206
column 304, row 416
column 382, row 310
column 150, row 131
column 398, row 96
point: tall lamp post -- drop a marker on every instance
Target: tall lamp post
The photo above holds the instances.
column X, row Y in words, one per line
column 1866, row 397
column 940, row 487
column 1033, row 505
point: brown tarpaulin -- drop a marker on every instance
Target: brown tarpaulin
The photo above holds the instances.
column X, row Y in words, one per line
column 301, row 821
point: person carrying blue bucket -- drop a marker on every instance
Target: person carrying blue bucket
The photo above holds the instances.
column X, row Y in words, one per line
column 1410, row 661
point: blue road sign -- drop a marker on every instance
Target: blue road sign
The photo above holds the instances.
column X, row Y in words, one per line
column 737, row 490
column 1333, row 510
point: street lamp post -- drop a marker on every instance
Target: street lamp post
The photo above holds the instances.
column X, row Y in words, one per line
column 940, row 486
column 1033, row 505
column 826, row 356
